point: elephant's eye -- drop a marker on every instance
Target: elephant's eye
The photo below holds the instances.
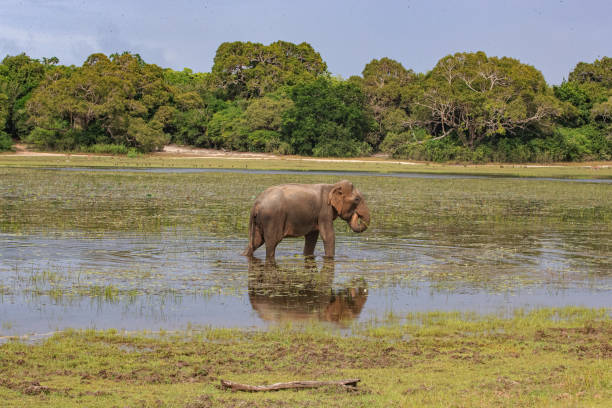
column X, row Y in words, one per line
column 357, row 199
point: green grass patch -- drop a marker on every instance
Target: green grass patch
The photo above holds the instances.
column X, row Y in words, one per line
column 547, row 357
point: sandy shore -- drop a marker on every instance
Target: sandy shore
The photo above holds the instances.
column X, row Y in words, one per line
column 187, row 152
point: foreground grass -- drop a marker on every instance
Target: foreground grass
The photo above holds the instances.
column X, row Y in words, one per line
column 569, row 170
column 550, row 357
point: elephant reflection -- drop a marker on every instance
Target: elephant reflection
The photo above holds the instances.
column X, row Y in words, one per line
column 303, row 292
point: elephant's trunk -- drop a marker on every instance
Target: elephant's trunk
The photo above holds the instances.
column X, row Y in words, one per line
column 361, row 218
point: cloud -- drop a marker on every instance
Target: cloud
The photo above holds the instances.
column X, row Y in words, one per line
column 47, row 44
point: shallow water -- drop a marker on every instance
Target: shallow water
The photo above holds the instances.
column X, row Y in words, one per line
column 72, row 256
column 166, row 281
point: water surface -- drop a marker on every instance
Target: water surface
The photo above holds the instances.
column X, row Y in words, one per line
column 162, row 250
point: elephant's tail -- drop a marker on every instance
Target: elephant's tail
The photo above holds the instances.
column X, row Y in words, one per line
column 252, row 233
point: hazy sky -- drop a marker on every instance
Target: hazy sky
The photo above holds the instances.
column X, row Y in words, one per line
column 551, row 35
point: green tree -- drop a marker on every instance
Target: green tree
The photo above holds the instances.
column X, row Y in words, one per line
column 599, row 72
column 104, row 101
column 578, row 98
column 475, row 98
column 187, row 117
column 5, row 140
column 226, row 130
column 602, row 112
column 328, row 118
column 19, row 76
column 246, row 69
column 263, row 118
column 385, row 82
column 589, row 84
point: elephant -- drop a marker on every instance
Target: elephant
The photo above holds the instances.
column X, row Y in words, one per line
column 295, row 293
column 295, row 210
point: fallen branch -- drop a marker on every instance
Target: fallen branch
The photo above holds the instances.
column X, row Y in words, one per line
column 287, row 385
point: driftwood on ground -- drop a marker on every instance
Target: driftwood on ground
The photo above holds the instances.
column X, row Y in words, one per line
column 352, row 383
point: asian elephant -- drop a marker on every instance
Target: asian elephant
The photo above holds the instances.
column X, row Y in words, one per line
column 295, row 210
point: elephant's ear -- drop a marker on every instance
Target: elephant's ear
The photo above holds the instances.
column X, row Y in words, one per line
column 335, row 198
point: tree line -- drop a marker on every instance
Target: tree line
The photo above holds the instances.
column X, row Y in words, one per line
column 281, row 98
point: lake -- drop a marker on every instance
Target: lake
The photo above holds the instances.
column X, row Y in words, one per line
column 158, row 249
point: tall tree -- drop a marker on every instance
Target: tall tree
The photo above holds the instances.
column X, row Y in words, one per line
column 107, row 100
column 476, row 97
column 328, row 118
column 5, row 140
column 192, row 106
column 385, row 82
column 246, row 69
column 599, row 71
column 19, row 76
column 588, row 85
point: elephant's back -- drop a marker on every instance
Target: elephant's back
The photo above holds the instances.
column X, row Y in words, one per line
column 290, row 198
column 290, row 192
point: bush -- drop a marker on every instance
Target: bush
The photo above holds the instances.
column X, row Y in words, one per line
column 263, row 140
column 226, row 129
column 395, row 142
column 327, row 118
column 102, row 148
column 132, row 153
column 67, row 139
column 585, row 143
column 6, row 143
column 442, row 150
column 148, row 136
column 563, row 144
column 42, row 138
column 341, row 148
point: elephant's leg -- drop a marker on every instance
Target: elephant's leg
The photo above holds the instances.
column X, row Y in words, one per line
column 329, row 239
column 273, row 232
column 310, row 242
column 271, row 249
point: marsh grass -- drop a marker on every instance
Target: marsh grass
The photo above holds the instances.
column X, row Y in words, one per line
column 547, row 357
column 48, row 200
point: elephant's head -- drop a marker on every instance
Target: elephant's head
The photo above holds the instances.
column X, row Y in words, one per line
column 349, row 204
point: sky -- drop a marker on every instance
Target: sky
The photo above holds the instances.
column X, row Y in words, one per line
column 551, row 35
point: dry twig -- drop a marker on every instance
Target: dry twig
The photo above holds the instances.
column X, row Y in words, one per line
column 352, row 383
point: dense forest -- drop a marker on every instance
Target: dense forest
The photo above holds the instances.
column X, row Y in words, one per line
column 281, row 98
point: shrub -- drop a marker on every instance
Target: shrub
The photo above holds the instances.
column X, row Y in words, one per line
column 42, row 137
column 226, row 130
column 263, row 140
column 148, row 136
column 394, row 142
column 563, row 144
column 107, row 148
column 341, row 148
column 6, row 143
column 132, row 153
column 327, row 118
